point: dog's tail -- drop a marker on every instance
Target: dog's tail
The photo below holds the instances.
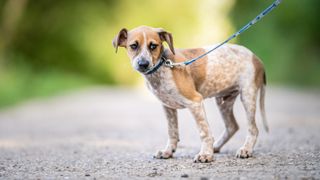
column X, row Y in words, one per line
column 262, row 107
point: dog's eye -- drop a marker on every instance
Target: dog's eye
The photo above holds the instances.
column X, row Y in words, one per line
column 153, row 46
column 134, row 46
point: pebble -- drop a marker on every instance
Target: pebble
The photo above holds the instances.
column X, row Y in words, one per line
column 184, row 175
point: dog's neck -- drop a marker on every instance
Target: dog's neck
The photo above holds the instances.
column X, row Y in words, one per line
column 155, row 78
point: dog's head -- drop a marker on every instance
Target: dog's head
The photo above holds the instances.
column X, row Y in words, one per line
column 144, row 45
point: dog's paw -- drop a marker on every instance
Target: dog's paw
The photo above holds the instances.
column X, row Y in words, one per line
column 163, row 154
column 203, row 158
column 243, row 153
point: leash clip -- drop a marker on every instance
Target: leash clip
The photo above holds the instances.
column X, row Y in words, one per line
column 171, row 64
column 168, row 63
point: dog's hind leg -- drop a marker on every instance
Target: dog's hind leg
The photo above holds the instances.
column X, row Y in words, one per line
column 248, row 98
column 171, row 115
column 225, row 105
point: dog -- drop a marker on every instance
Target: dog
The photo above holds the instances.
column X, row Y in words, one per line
column 224, row 74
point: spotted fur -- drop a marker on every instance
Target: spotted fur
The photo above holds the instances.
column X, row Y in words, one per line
column 225, row 73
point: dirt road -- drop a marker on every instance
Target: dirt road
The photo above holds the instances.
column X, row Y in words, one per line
column 107, row 133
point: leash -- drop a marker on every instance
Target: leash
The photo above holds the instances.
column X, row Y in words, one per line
column 169, row 63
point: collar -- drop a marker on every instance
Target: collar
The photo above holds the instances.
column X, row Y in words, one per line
column 156, row 66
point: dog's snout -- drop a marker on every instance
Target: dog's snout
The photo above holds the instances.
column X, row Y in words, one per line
column 143, row 64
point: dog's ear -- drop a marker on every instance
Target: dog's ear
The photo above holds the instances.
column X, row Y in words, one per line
column 120, row 39
column 166, row 36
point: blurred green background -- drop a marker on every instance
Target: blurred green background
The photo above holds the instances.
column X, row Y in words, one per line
column 52, row 46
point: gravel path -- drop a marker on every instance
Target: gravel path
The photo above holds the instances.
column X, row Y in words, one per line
column 105, row 133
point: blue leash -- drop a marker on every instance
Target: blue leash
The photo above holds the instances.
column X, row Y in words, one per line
column 171, row 64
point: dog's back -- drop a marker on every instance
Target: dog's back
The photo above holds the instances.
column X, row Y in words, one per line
column 229, row 67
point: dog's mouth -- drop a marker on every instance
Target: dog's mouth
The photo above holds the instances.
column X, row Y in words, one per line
column 143, row 70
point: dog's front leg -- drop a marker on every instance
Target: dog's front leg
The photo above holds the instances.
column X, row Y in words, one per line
column 173, row 132
column 206, row 152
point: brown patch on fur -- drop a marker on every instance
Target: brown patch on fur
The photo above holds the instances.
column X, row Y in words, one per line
column 198, row 68
column 195, row 72
column 182, row 80
column 260, row 77
column 138, row 37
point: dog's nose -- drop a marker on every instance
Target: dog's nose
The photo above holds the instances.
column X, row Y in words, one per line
column 143, row 64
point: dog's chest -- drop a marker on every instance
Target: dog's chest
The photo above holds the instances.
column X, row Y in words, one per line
column 162, row 85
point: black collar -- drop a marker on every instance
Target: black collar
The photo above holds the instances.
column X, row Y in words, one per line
column 156, row 66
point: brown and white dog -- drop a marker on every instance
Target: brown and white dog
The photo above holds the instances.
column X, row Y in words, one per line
column 224, row 74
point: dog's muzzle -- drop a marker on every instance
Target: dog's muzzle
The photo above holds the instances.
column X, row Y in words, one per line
column 143, row 65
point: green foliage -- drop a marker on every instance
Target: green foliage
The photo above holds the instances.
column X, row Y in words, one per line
column 54, row 34
column 20, row 83
column 287, row 40
column 58, row 45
